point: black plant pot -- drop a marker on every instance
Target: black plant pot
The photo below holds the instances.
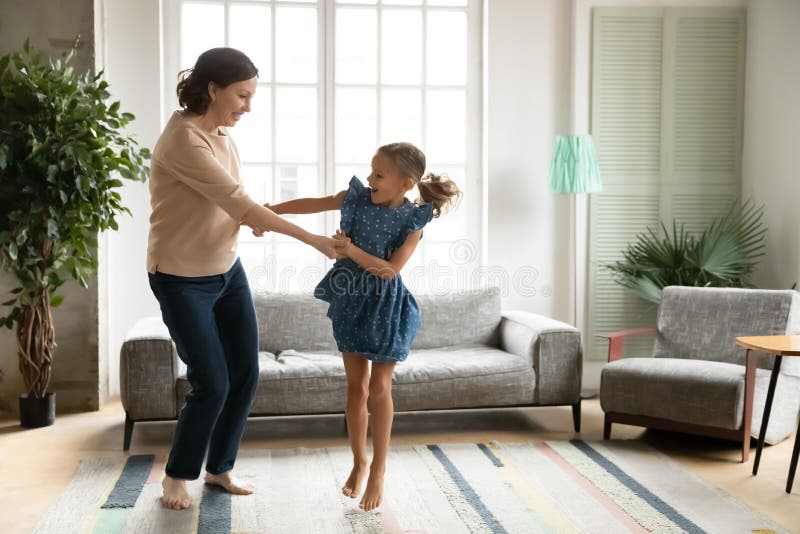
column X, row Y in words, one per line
column 35, row 412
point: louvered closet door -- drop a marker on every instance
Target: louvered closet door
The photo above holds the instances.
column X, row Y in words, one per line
column 703, row 103
column 626, row 125
column 666, row 118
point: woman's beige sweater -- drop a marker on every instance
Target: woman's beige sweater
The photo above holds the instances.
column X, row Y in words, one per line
column 197, row 200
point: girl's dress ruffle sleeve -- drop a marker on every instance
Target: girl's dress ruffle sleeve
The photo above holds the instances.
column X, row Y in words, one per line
column 419, row 217
column 351, row 199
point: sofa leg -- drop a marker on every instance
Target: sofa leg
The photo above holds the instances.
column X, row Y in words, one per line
column 606, row 428
column 576, row 416
column 128, row 432
column 344, row 419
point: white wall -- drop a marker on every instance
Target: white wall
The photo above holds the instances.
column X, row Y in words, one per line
column 129, row 47
column 528, row 91
column 770, row 169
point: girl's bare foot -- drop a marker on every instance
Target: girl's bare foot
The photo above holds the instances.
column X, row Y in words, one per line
column 373, row 495
column 352, row 487
column 229, row 484
column 175, row 497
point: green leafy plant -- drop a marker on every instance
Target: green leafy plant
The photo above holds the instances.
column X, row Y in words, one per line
column 62, row 150
column 724, row 255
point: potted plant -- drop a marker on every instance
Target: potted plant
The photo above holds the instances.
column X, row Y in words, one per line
column 62, row 149
column 724, row 254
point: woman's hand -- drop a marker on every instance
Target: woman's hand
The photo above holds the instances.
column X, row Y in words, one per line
column 326, row 245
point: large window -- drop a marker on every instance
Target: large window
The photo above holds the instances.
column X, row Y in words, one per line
column 336, row 80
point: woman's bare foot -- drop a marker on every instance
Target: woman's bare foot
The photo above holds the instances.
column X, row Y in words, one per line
column 373, row 495
column 175, row 497
column 229, row 484
column 352, row 487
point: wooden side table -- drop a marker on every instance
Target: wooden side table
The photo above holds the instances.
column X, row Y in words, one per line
column 780, row 346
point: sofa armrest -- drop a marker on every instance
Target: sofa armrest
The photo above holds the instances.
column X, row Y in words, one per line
column 616, row 339
column 149, row 366
column 554, row 350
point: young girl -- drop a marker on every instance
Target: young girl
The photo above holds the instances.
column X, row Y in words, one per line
column 374, row 316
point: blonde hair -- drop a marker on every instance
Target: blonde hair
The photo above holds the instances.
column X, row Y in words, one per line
column 438, row 189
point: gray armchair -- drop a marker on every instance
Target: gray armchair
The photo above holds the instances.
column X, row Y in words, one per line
column 697, row 380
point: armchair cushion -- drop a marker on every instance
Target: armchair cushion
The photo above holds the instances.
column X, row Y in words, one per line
column 698, row 392
column 703, row 323
column 690, row 391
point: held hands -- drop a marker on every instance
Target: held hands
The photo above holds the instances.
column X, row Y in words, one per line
column 326, row 245
column 257, row 231
column 334, row 247
column 342, row 244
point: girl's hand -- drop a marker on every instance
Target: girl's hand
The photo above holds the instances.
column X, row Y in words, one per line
column 342, row 244
column 339, row 254
column 257, row 230
column 336, row 249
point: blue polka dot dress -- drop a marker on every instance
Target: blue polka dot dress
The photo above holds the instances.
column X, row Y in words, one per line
column 371, row 316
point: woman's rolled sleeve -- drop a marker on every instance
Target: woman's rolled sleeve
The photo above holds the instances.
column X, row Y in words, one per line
column 199, row 169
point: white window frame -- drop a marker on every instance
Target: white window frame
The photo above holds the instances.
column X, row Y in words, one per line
column 474, row 162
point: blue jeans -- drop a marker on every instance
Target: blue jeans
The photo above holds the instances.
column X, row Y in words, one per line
column 212, row 321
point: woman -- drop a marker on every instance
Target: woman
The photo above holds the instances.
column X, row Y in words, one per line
column 198, row 205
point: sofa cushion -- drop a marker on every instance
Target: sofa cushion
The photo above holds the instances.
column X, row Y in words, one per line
column 452, row 377
column 698, row 392
column 300, row 321
column 293, row 321
column 462, row 377
column 460, row 318
column 294, row 383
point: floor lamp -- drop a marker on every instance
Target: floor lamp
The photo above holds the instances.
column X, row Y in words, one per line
column 574, row 170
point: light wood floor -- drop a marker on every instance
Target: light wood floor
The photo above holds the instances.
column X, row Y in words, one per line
column 35, row 465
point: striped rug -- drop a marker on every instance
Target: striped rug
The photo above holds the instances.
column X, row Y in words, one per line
column 529, row 487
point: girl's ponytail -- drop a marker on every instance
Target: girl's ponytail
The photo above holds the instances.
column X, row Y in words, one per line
column 441, row 191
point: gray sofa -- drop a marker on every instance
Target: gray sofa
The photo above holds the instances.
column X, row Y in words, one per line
column 468, row 354
column 695, row 381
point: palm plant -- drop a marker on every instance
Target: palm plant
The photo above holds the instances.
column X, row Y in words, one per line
column 724, row 255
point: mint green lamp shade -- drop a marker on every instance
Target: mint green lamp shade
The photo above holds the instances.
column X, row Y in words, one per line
column 574, row 167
